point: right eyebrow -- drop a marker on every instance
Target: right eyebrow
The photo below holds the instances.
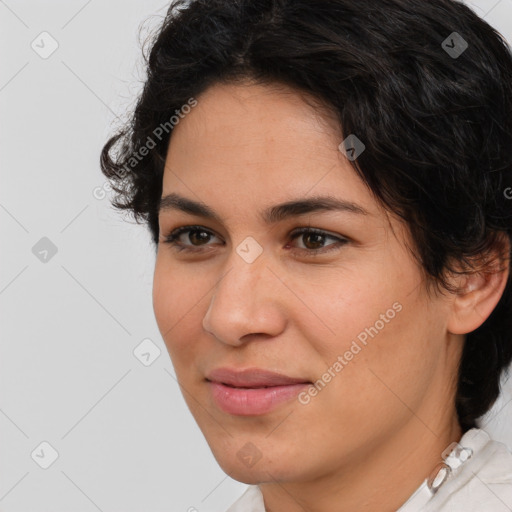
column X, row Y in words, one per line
column 271, row 215
column 176, row 202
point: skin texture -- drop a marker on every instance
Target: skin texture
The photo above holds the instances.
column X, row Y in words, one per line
column 368, row 439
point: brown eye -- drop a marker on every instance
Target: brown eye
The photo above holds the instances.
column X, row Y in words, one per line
column 189, row 237
column 198, row 236
column 313, row 240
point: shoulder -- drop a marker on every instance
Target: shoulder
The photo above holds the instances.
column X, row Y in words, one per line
column 250, row 501
column 483, row 482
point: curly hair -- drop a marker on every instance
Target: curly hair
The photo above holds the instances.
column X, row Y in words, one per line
column 437, row 125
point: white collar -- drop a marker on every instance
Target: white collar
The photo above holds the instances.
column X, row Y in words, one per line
column 474, row 453
column 453, row 458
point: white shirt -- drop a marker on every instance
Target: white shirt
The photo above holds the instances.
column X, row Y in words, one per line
column 480, row 483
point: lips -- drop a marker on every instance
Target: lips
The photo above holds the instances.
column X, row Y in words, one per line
column 252, row 378
column 253, row 391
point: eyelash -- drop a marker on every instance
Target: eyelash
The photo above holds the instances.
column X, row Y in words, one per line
column 172, row 237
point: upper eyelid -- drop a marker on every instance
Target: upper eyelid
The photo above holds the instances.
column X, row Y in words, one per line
column 177, row 232
column 294, row 232
column 185, row 229
column 193, row 227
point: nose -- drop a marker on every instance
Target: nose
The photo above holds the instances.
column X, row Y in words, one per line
column 247, row 302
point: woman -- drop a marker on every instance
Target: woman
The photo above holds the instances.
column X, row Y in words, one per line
column 326, row 186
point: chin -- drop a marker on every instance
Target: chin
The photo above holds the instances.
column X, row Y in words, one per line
column 262, row 471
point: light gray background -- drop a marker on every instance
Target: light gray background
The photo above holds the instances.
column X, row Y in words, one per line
column 125, row 438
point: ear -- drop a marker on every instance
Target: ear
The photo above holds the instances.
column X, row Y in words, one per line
column 480, row 292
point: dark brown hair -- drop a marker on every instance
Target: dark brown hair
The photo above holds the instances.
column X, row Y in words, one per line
column 435, row 116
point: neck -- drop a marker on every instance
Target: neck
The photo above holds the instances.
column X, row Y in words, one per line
column 382, row 480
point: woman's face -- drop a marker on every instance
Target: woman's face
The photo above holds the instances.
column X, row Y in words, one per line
column 346, row 309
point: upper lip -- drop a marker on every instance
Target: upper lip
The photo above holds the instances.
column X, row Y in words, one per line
column 252, row 378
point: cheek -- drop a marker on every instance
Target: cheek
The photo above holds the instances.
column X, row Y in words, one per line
column 164, row 296
column 359, row 305
column 385, row 364
column 380, row 325
column 176, row 299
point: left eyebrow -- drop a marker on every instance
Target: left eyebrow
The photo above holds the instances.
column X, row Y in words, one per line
column 297, row 207
column 271, row 215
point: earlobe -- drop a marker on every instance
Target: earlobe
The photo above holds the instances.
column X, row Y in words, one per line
column 476, row 300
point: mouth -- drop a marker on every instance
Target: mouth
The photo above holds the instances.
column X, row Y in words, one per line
column 253, row 391
column 243, row 387
column 252, row 378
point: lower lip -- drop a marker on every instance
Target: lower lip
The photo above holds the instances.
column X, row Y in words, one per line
column 249, row 402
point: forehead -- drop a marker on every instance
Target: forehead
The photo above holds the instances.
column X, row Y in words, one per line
column 255, row 140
